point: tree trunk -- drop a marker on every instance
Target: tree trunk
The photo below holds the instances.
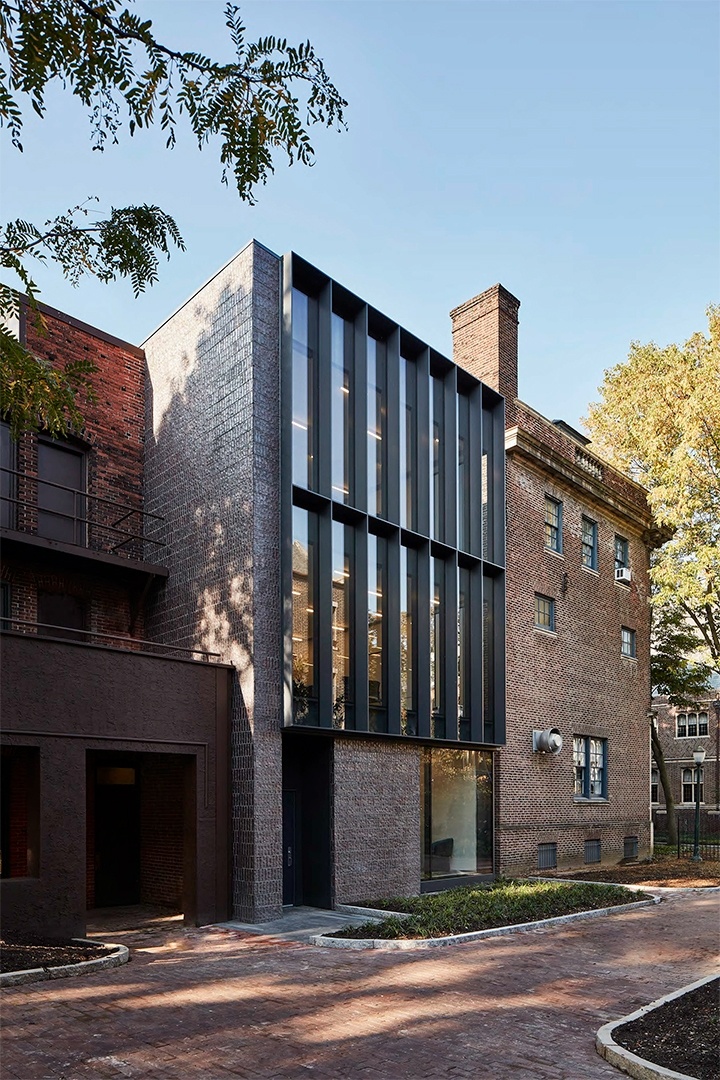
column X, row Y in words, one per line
column 659, row 757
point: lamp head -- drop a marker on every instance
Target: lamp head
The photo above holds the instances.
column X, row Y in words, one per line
column 698, row 756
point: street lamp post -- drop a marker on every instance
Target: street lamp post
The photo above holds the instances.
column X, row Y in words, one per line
column 698, row 758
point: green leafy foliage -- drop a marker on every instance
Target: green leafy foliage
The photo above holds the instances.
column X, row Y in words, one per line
column 107, row 56
column 672, row 671
column 659, row 421
column 502, row 903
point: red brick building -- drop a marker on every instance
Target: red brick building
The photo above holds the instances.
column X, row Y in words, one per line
column 114, row 763
column 578, row 542
column 682, row 730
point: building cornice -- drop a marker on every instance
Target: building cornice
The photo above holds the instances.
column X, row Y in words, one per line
column 543, row 457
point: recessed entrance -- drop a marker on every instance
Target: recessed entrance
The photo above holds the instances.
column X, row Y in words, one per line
column 307, row 765
column 140, row 830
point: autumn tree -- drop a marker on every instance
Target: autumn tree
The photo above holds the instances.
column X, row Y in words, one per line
column 658, row 420
column 107, row 56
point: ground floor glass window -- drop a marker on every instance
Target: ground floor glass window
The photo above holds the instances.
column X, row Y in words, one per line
column 456, row 812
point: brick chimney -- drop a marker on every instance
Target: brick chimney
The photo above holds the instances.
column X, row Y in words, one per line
column 485, row 340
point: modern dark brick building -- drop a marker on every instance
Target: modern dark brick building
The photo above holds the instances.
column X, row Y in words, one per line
column 114, row 750
column 320, row 510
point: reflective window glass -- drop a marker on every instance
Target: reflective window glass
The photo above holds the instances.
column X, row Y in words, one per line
column 304, row 624
column 342, row 410
column 304, row 391
column 376, row 632
column 342, row 625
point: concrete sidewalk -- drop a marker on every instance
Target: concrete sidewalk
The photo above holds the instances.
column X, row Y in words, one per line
column 220, row 1003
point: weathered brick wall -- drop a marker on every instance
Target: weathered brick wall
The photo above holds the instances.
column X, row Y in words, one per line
column 115, row 423
column 113, row 440
column 485, row 339
column 161, row 832
column 575, row 679
column 107, row 603
column 376, row 819
column 213, row 471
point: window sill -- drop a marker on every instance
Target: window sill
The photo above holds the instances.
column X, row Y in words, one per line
column 581, row 799
column 631, row 659
column 544, row 632
column 554, row 553
column 590, row 570
column 623, row 585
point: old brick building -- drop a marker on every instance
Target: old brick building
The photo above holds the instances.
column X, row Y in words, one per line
column 113, row 750
column 683, row 730
column 578, row 536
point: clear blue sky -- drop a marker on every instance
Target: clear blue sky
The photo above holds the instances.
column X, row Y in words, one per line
column 570, row 150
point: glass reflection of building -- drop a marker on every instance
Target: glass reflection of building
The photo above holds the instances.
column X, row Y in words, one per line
column 396, row 458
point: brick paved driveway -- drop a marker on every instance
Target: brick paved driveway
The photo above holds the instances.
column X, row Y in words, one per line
column 219, row 1004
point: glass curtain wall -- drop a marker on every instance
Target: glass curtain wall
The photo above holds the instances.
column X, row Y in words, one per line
column 376, row 425
column 377, row 550
column 408, row 443
column 413, row 593
column 463, row 473
column 304, row 623
column 437, row 648
column 456, row 812
column 342, row 625
column 437, row 477
column 342, row 410
column 408, row 630
column 304, row 390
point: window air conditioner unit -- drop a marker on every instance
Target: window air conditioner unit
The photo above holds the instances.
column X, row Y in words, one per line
column 624, row 574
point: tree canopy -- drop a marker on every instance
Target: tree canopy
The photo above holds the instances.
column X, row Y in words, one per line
column 106, row 55
column 659, row 421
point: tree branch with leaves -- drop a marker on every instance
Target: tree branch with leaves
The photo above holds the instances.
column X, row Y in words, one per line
column 106, row 55
column 658, row 420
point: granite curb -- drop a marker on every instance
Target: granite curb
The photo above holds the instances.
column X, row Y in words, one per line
column 120, row 956
column 630, row 1063
column 389, row 944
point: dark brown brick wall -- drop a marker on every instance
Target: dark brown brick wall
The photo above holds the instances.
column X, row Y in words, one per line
column 678, row 754
column 161, row 832
column 376, row 802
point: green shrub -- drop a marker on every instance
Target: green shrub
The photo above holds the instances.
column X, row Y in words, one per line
column 502, row 903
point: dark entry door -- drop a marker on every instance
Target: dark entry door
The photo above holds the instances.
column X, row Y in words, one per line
column 307, row 771
column 117, row 836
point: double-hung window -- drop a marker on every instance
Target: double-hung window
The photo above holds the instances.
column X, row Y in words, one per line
column 589, row 544
column 654, row 785
column 544, row 612
column 622, row 553
column 628, row 643
column 589, row 767
column 690, row 787
column 553, row 524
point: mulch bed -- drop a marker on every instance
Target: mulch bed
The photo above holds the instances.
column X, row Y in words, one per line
column 22, row 955
column 683, row 1035
column 675, row 873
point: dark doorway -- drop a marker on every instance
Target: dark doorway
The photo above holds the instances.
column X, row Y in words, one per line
column 307, row 786
column 117, row 835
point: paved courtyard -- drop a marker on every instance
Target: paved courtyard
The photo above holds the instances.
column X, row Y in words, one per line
column 220, row 1003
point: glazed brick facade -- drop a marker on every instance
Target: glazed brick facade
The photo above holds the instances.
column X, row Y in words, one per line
column 376, row 819
column 213, row 472
column 573, row 678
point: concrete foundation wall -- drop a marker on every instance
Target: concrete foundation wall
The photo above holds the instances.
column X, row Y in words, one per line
column 376, row 820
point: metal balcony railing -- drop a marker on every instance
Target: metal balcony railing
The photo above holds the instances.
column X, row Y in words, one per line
column 92, row 637
column 54, row 511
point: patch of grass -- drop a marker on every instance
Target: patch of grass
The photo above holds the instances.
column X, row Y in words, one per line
column 501, row 903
